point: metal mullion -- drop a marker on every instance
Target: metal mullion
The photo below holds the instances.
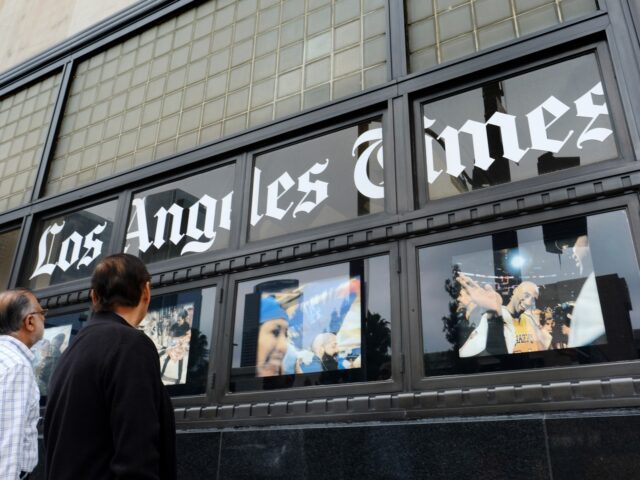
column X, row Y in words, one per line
column 239, row 222
column 625, row 57
column 215, row 386
column 244, row 184
column 390, row 117
column 54, row 126
column 396, row 39
column 401, row 130
column 118, row 241
column 21, row 249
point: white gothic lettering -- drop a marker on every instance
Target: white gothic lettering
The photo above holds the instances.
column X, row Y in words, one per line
column 208, row 214
column 281, row 185
column 551, row 108
column 316, row 191
column 70, row 249
column 360, row 173
column 138, row 227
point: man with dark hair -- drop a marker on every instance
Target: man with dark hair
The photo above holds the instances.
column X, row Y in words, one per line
column 21, row 326
column 108, row 413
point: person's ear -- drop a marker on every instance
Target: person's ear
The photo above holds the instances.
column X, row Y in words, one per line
column 29, row 323
column 94, row 298
column 146, row 293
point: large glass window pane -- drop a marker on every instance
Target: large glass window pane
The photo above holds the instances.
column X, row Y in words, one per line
column 58, row 333
column 180, row 325
column 320, row 326
column 8, row 244
column 191, row 215
column 542, row 121
column 69, row 246
column 24, row 120
column 328, row 179
column 562, row 293
column 214, row 70
column 442, row 30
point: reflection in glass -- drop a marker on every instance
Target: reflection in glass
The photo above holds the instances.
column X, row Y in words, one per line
column 192, row 215
column 8, row 244
column 68, row 247
column 556, row 294
column 315, row 327
column 324, row 180
column 179, row 324
column 543, row 121
column 58, row 334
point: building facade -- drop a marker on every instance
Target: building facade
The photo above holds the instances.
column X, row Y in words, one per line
column 388, row 239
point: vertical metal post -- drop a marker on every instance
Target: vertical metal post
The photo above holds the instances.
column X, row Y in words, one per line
column 54, row 126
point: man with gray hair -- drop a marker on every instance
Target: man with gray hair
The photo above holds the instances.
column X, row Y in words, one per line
column 21, row 326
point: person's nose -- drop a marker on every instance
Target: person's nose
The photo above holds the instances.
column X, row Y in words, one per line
column 282, row 342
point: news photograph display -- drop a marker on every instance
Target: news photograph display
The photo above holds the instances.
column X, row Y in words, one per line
column 47, row 353
column 179, row 324
column 553, row 294
column 309, row 327
column 59, row 333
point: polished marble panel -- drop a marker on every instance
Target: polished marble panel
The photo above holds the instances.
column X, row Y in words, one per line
column 198, row 455
column 587, row 447
column 461, row 450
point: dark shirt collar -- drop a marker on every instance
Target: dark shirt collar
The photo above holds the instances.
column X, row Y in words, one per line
column 106, row 316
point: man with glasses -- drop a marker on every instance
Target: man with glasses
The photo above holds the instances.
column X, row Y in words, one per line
column 21, row 327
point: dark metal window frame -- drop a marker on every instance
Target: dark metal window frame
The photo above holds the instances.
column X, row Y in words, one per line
column 420, row 381
column 217, row 282
column 28, row 239
column 370, row 114
column 177, row 262
column 523, row 66
column 225, row 347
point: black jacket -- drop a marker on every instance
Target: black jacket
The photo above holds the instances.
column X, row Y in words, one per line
column 108, row 414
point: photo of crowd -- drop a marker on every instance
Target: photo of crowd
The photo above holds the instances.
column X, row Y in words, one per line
column 305, row 328
column 538, row 295
column 170, row 329
column 47, row 353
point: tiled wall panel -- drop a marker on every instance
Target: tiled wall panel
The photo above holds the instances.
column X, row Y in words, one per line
column 443, row 30
column 24, row 121
column 214, row 70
